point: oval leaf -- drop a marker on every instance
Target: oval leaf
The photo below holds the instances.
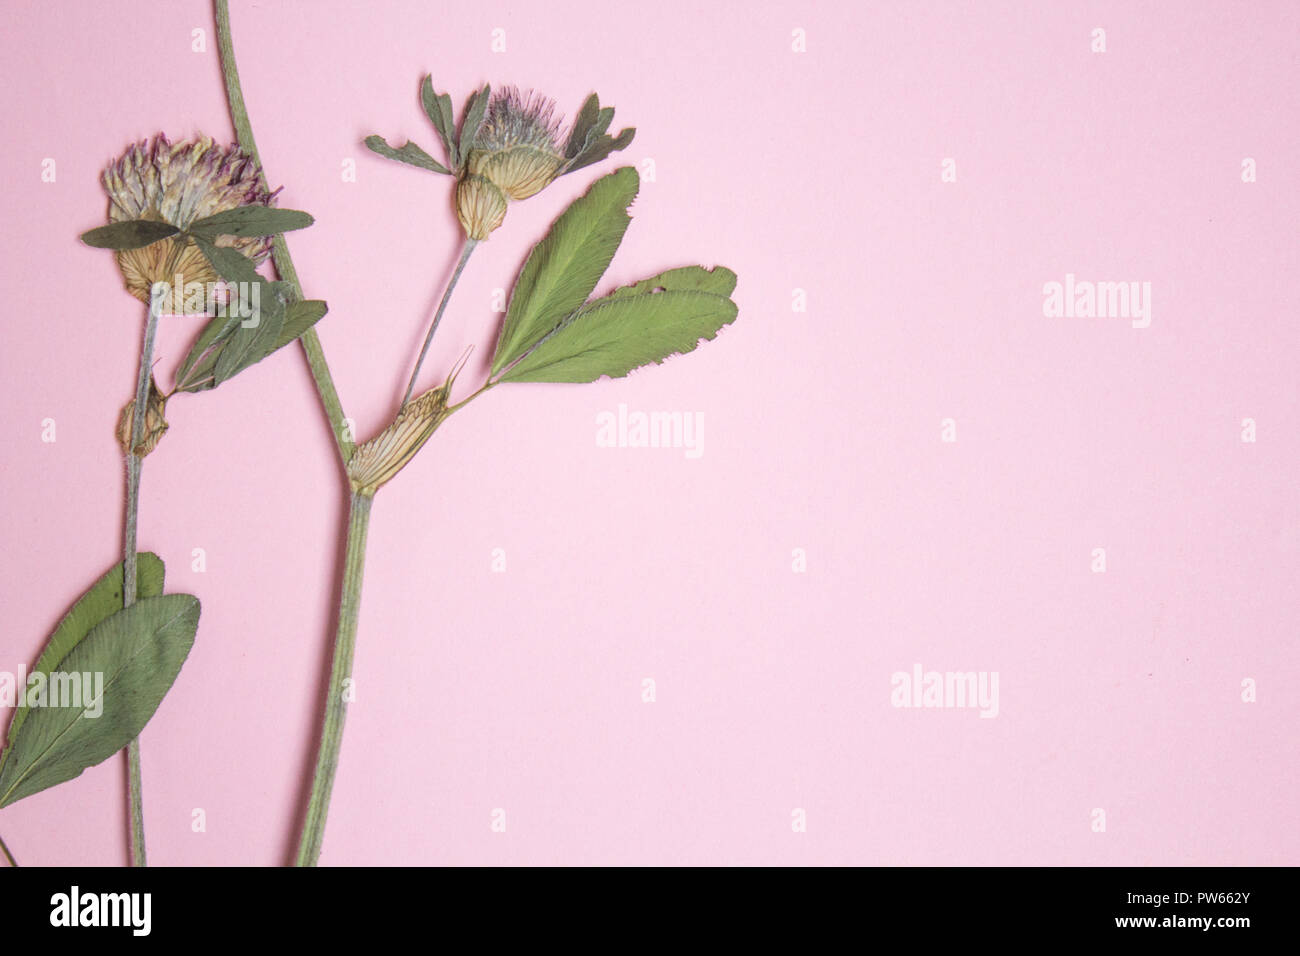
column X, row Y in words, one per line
column 133, row 658
column 129, row 235
column 719, row 280
column 231, row 264
column 101, row 600
column 565, row 266
column 299, row 317
column 615, row 335
column 247, row 221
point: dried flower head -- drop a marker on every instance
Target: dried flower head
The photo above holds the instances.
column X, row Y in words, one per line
column 516, row 153
column 180, row 183
column 518, row 150
column 518, row 146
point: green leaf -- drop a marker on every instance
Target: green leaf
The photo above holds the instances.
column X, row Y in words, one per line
column 588, row 142
column 129, row 235
column 582, row 124
column 247, row 221
column 299, row 317
column 437, row 106
column 604, row 117
column 565, row 266
column 248, row 345
column 410, row 154
column 231, row 264
column 138, row 652
column 195, row 372
column 719, row 280
column 101, row 600
column 475, row 109
column 601, row 147
column 613, row 336
column 245, row 345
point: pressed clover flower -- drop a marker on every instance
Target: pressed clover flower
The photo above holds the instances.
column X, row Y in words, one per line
column 518, row 151
column 517, row 148
column 179, row 184
column 508, row 147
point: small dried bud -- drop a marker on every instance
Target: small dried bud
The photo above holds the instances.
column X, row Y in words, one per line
column 154, row 423
column 480, row 206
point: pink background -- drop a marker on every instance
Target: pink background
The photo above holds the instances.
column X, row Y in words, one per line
column 817, row 171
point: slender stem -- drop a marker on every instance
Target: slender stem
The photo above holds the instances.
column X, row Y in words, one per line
column 465, row 251
column 134, row 467
column 8, row 856
column 336, row 703
column 320, row 370
column 469, row 398
column 135, row 797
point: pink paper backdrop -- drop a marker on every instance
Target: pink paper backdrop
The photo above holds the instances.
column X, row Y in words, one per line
column 818, row 171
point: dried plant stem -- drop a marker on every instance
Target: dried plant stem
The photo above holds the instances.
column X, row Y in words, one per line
column 134, row 466
column 8, row 856
column 320, row 370
column 336, row 705
column 465, row 251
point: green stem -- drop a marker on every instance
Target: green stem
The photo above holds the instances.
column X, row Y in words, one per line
column 465, row 251
column 8, row 856
column 320, row 370
column 336, row 705
column 134, row 467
